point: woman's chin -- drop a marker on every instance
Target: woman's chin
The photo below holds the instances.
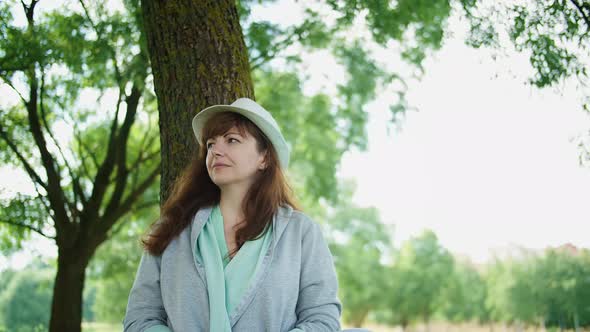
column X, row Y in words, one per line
column 221, row 181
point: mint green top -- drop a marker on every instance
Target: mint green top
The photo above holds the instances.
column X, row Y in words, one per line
column 227, row 280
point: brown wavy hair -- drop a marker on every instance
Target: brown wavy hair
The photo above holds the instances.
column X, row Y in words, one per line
column 193, row 189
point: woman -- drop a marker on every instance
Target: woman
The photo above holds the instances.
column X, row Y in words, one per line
column 231, row 252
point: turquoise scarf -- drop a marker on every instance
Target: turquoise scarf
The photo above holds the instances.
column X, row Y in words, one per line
column 227, row 280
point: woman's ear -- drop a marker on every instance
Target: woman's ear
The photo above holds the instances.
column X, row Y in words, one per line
column 262, row 165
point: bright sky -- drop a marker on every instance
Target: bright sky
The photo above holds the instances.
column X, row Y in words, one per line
column 488, row 163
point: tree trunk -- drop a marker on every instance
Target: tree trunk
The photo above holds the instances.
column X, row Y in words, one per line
column 561, row 325
column 198, row 58
column 66, row 306
column 358, row 318
column 404, row 324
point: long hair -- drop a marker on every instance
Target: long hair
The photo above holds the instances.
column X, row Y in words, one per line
column 193, row 190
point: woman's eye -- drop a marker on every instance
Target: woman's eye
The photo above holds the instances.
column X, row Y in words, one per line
column 209, row 145
column 233, row 139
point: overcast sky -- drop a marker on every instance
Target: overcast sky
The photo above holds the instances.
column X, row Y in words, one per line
column 488, row 162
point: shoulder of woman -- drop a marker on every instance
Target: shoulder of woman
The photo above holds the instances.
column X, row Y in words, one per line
column 304, row 221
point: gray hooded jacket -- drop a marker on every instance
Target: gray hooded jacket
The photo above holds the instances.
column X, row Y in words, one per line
column 295, row 288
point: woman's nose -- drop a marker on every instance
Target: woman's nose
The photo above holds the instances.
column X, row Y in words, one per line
column 217, row 152
column 216, row 149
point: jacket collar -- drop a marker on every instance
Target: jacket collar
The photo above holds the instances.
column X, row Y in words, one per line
column 279, row 223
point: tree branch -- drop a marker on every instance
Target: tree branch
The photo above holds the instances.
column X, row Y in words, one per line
column 29, row 10
column 34, row 229
column 41, row 198
column 584, row 14
column 84, row 173
column 132, row 102
column 99, row 34
column 140, row 156
column 116, row 229
column 9, row 83
column 55, row 193
column 146, row 205
column 32, row 174
column 101, row 179
column 143, row 144
column 88, row 153
column 277, row 48
column 77, row 190
column 4, row 68
column 111, row 216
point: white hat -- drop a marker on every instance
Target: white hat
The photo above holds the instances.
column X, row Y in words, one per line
column 254, row 112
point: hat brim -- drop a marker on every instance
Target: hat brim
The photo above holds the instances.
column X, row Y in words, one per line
column 276, row 138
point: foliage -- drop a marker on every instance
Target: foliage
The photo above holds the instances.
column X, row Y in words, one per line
column 549, row 289
column 64, row 146
column 553, row 33
column 26, row 301
column 418, row 278
column 465, row 295
column 317, row 149
column 89, row 165
column 359, row 241
column 111, row 271
column 408, row 29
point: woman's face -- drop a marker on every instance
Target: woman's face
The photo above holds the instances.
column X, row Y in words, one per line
column 233, row 159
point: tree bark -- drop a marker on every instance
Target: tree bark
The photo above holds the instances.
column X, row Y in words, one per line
column 198, row 58
column 359, row 318
column 66, row 307
column 404, row 324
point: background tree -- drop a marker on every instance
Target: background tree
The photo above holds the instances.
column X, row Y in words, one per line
column 526, row 291
column 84, row 185
column 465, row 294
column 360, row 243
column 563, row 288
column 499, row 279
column 419, row 275
column 26, row 300
column 547, row 290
